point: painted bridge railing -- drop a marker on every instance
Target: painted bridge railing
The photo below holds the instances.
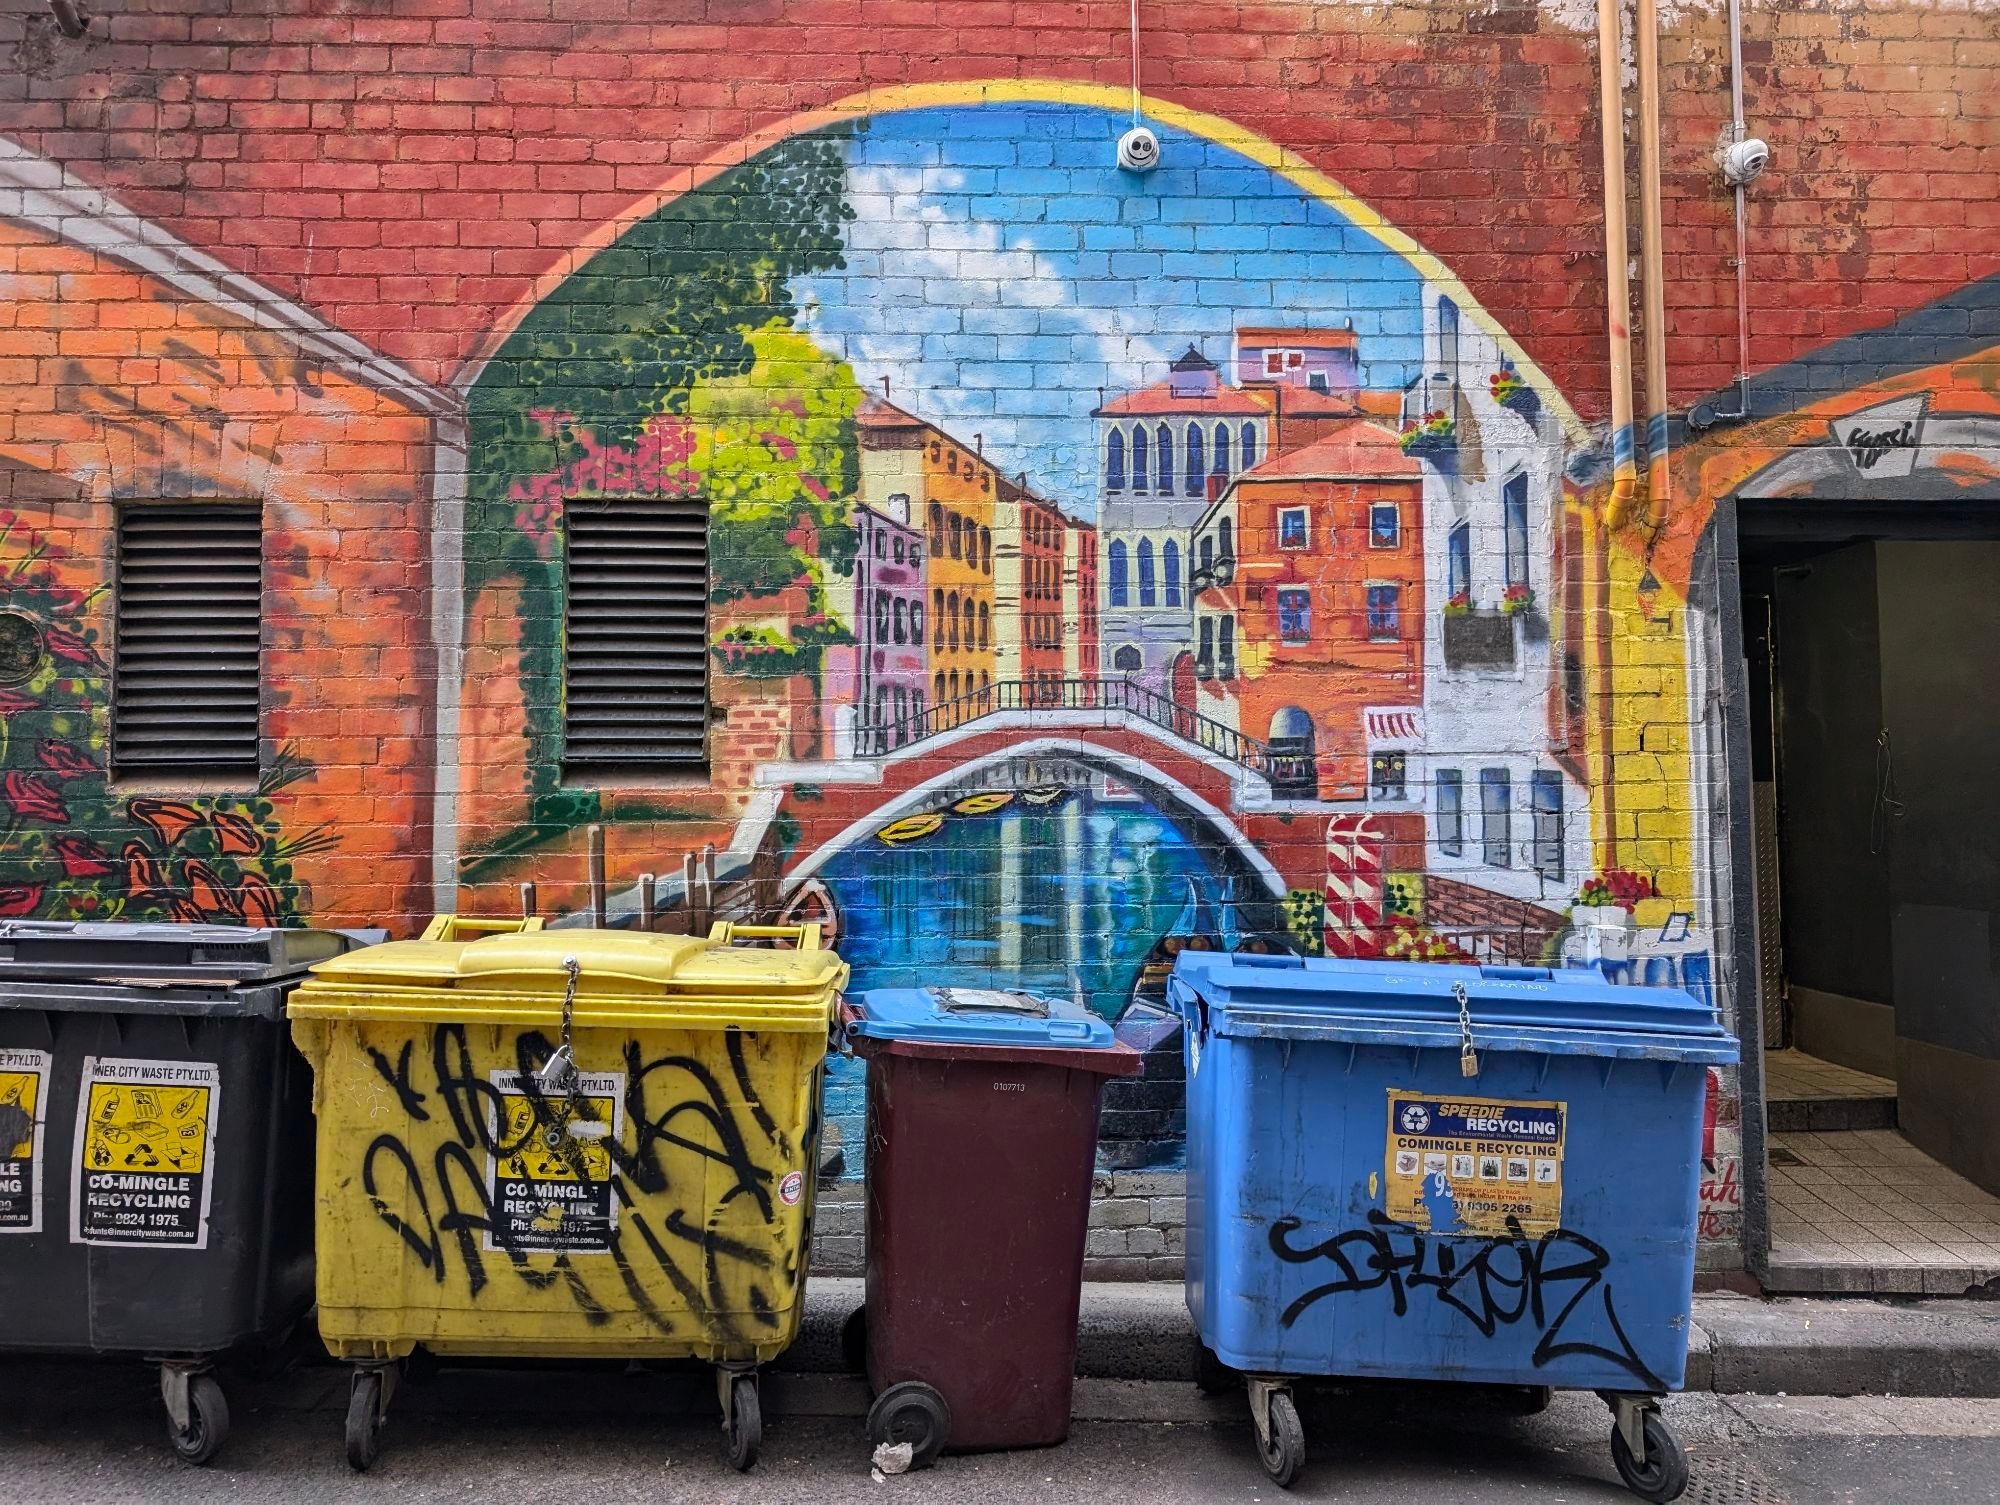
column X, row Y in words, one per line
column 1283, row 768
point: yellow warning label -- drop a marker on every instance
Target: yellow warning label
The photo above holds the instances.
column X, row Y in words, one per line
column 549, row 1173
column 147, row 1128
column 22, row 1073
column 142, row 1173
column 1474, row 1165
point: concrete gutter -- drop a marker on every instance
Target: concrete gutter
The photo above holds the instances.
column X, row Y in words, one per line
column 1139, row 1331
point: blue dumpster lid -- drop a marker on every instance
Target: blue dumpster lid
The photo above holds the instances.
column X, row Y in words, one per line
column 1560, row 1010
column 977, row 1016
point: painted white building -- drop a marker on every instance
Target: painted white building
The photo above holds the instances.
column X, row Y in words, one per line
column 1502, row 813
column 1163, row 453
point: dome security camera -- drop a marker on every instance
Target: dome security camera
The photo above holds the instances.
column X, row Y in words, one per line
column 1138, row 150
column 1745, row 160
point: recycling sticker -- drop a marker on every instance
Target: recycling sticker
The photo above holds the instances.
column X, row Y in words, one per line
column 24, row 1076
column 1474, row 1165
column 145, row 1138
column 549, row 1174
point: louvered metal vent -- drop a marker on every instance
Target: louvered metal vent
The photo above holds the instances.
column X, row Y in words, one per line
column 635, row 676
column 190, row 625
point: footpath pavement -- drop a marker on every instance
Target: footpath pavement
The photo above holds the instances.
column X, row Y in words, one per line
column 75, row 1432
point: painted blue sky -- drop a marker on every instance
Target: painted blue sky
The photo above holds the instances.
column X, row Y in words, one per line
column 1001, row 269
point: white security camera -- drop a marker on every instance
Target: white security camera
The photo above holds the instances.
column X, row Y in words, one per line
column 1745, row 160
column 1138, row 150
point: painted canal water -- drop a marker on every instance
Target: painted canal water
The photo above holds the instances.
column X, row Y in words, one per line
column 1080, row 891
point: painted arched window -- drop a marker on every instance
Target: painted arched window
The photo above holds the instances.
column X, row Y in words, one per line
column 1249, row 445
column 986, row 550
column 1448, row 340
column 937, row 529
column 985, row 626
column 1222, row 450
column 968, row 622
column 1127, row 660
column 937, row 616
column 1139, row 468
column 1163, row 460
column 953, row 683
column 1114, row 461
column 1116, row 566
column 902, row 619
column 951, row 615
column 1227, row 541
column 1170, row 566
column 1195, row 481
column 917, row 621
column 1148, row 593
column 937, row 698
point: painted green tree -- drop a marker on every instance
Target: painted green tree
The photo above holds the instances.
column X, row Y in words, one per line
column 690, row 309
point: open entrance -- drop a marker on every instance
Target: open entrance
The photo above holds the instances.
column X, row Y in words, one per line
column 1872, row 639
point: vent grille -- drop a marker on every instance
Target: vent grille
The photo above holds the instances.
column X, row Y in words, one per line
column 190, row 628
column 635, row 671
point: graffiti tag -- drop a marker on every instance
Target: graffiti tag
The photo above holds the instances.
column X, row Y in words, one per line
column 695, row 1147
column 1494, row 1282
column 1868, row 446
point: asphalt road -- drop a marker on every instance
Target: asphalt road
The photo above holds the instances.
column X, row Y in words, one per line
column 76, row 1433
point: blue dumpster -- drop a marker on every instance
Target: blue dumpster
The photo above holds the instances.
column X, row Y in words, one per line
column 1425, row 1172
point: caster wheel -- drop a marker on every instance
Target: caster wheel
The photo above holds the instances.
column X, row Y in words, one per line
column 1211, row 1375
column 1283, row 1454
column 208, row 1422
column 364, row 1421
column 1663, row 1475
column 854, row 1341
column 746, row 1423
column 911, row 1412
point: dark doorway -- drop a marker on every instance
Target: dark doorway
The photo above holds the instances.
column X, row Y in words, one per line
column 1872, row 634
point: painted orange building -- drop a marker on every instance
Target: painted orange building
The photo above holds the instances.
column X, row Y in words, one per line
column 1028, row 588
column 1079, row 601
column 1309, row 604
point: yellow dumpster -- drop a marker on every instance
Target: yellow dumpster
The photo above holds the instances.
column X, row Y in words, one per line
column 566, row 1143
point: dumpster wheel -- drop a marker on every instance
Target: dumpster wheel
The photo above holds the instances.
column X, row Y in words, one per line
column 1211, row 1375
column 364, row 1419
column 1281, row 1440
column 911, row 1412
column 207, row 1421
column 745, row 1422
column 1663, row 1474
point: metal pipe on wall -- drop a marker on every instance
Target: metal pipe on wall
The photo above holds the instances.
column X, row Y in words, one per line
column 1617, row 281
column 1652, row 239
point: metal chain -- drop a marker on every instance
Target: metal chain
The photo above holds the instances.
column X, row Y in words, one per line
column 1468, row 1058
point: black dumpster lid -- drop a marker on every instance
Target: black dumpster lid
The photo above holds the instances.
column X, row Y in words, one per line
column 153, row 955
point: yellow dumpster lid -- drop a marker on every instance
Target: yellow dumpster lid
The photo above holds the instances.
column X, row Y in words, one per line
column 625, row 979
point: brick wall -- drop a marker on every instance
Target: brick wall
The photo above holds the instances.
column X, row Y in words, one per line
column 418, row 274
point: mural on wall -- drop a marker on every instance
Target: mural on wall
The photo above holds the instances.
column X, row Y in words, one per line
column 1099, row 567
column 71, row 846
column 200, row 386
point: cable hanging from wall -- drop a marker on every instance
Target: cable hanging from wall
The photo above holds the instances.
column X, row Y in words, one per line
column 1138, row 148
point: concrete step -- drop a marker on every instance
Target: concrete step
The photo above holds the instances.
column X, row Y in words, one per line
column 1140, row 1331
column 1826, row 1115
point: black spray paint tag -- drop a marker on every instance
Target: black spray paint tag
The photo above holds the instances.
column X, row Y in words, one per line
column 24, row 1078
column 145, row 1135
column 548, row 1175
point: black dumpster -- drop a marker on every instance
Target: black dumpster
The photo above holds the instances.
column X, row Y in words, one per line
column 156, row 1187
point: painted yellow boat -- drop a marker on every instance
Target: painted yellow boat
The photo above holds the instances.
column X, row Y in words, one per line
column 1046, row 794
column 984, row 804
column 909, row 828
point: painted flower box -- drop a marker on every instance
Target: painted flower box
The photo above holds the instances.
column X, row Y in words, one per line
column 1514, row 394
column 1432, row 437
column 1479, row 640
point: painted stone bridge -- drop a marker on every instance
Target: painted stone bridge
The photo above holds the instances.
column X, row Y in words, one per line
column 1225, row 788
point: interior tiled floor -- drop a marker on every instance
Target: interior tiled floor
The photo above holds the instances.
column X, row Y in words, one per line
column 1794, row 1074
column 1866, row 1210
